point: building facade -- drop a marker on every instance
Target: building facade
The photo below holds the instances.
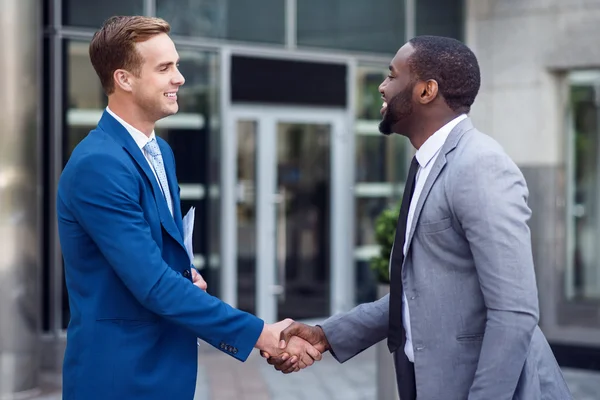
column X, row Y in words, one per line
column 278, row 150
column 540, row 99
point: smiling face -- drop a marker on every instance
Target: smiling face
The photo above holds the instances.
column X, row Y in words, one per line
column 151, row 86
column 397, row 93
column 154, row 89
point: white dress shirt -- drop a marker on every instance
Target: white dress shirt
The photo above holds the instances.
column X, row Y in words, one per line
column 140, row 139
column 426, row 157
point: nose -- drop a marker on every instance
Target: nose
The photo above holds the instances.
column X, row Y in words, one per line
column 382, row 86
column 178, row 79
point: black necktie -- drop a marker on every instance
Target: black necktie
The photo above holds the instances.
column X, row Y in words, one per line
column 396, row 333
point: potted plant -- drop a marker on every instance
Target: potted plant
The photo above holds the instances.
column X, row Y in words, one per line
column 385, row 230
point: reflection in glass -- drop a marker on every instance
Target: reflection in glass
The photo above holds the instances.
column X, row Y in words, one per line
column 359, row 25
column 303, row 219
column 85, row 97
column 381, row 168
column 440, row 18
column 585, row 210
column 84, row 90
column 93, row 14
column 193, row 134
column 246, row 215
column 240, row 20
column 85, row 100
column 380, row 158
column 367, row 211
column 578, row 304
column 368, row 98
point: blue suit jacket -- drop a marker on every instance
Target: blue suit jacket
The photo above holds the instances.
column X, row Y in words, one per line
column 135, row 313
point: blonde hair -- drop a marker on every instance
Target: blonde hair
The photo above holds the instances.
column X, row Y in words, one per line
column 113, row 46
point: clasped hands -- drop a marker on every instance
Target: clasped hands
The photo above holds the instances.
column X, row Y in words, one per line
column 287, row 345
column 291, row 346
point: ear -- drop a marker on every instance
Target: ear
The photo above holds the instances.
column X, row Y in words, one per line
column 428, row 91
column 123, row 80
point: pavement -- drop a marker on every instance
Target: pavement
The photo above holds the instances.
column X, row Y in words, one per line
column 221, row 377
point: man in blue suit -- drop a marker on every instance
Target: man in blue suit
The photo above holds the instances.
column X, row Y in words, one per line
column 137, row 305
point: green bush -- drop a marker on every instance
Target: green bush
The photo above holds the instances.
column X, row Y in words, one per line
column 385, row 229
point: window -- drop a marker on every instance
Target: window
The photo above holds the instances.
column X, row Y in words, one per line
column 85, row 98
column 91, row 14
column 358, row 25
column 440, row 18
column 239, row 20
column 581, row 305
column 84, row 102
column 381, row 168
column 193, row 134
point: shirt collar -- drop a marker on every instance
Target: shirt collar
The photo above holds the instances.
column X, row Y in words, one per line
column 435, row 142
column 140, row 138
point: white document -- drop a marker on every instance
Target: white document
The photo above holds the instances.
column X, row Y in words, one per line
column 188, row 232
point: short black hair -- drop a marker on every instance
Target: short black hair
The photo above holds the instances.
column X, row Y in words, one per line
column 451, row 64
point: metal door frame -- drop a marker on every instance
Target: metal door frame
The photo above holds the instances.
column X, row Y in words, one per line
column 340, row 202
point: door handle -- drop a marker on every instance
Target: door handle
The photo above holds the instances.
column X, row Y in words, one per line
column 281, row 244
column 578, row 210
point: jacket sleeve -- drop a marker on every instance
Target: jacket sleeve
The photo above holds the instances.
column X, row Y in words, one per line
column 105, row 200
column 350, row 333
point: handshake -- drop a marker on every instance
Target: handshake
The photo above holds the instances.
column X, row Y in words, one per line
column 291, row 346
column 287, row 345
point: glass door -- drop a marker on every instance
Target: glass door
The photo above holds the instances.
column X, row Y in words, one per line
column 302, row 217
column 570, row 292
column 291, row 198
column 580, row 305
column 245, row 213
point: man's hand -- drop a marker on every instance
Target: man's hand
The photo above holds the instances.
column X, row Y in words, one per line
column 299, row 354
column 268, row 341
column 198, row 280
column 303, row 354
column 311, row 334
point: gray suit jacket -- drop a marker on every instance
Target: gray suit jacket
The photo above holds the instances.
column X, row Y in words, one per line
column 469, row 279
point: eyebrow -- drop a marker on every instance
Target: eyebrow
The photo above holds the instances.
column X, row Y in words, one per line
column 168, row 63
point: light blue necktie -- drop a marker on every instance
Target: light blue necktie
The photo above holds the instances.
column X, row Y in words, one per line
column 157, row 163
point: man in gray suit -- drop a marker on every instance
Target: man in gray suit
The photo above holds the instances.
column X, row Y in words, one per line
column 462, row 315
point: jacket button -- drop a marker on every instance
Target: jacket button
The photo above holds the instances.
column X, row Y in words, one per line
column 187, row 273
column 235, row 351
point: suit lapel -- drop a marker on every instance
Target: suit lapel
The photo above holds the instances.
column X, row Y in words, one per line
column 119, row 133
column 438, row 166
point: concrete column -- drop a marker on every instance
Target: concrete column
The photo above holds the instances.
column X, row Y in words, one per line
column 20, row 45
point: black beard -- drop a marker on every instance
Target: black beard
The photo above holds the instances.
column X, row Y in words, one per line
column 399, row 108
column 385, row 126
